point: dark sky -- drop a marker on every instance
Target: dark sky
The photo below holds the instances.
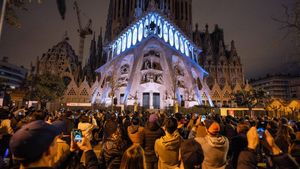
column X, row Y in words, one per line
column 259, row 40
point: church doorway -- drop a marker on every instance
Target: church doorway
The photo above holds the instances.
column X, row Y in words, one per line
column 156, row 100
column 146, row 100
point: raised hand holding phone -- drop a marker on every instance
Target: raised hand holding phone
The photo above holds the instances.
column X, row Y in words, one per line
column 77, row 135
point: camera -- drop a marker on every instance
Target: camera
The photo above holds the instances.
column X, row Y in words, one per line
column 77, row 135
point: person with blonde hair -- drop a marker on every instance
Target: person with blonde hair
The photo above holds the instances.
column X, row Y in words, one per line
column 133, row 158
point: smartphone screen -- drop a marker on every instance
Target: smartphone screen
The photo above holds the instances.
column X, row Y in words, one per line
column 77, row 135
column 203, row 118
column 260, row 132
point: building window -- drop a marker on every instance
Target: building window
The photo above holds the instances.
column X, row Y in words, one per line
column 123, row 43
column 140, row 34
column 145, row 27
column 129, row 38
column 146, row 100
column 181, row 45
column 176, row 41
column 134, row 36
column 165, row 30
column 171, row 36
column 118, row 47
column 186, row 48
column 159, row 27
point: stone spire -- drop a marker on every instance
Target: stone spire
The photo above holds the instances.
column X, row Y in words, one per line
column 152, row 6
column 207, row 41
column 101, row 59
column 233, row 49
column 91, row 63
column 109, row 20
column 196, row 36
column 138, row 10
column 221, row 48
column 206, row 29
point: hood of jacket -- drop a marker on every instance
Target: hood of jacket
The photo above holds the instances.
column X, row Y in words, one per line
column 133, row 129
column 216, row 141
column 172, row 141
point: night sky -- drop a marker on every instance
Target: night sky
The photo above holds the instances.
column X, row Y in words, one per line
column 259, row 40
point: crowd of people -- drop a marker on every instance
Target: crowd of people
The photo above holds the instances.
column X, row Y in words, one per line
column 141, row 140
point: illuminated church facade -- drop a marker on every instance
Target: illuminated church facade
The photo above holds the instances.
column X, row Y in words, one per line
column 152, row 56
column 153, row 62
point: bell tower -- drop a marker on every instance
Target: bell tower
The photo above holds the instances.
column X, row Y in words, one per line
column 122, row 13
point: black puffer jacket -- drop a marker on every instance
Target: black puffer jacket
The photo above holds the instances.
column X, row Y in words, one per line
column 152, row 131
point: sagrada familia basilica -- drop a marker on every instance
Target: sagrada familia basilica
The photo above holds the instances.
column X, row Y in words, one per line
column 152, row 55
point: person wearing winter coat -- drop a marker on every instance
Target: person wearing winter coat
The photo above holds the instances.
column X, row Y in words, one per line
column 152, row 132
column 135, row 131
column 86, row 127
column 167, row 147
column 35, row 146
column 238, row 143
column 215, row 146
column 113, row 146
column 198, row 130
column 248, row 158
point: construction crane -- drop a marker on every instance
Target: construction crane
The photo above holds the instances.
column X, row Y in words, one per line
column 83, row 32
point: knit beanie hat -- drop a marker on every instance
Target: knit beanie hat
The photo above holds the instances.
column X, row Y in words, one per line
column 212, row 126
column 153, row 118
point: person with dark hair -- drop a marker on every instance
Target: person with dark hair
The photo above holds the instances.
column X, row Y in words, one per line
column 167, row 147
column 62, row 144
column 215, row 146
column 135, row 131
column 113, row 146
column 283, row 138
column 272, row 127
column 229, row 129
column 198, row 129
column 295, row 148
column 133, row 158
column 238, row 143
column 86, row 127
column 152, row 132
column 35, row 146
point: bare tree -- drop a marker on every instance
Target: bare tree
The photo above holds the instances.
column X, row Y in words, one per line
column 291, row 23
column 291, row 19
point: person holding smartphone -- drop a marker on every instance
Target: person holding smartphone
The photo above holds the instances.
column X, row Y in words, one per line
column 248, row 158
column 35, row 146
column 198, row 129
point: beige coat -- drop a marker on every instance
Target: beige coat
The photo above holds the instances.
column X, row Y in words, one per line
column 167, row 150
